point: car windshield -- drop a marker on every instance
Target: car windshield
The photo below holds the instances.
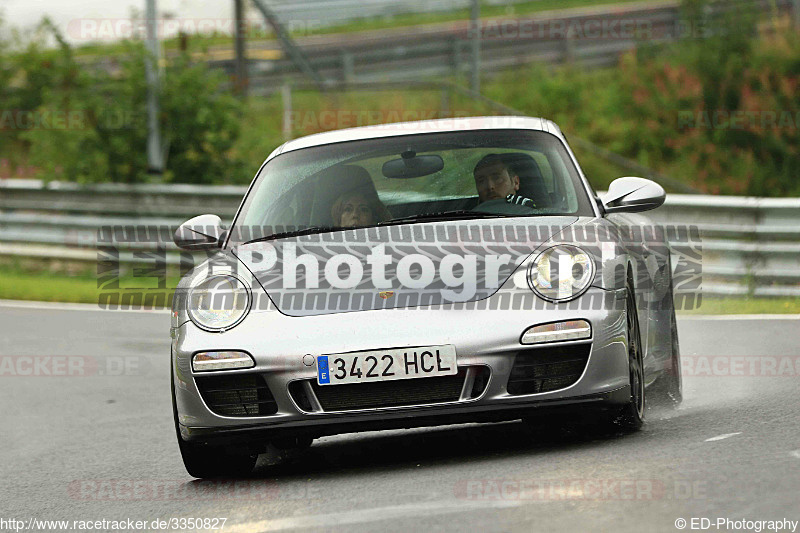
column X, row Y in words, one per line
column 412, row 178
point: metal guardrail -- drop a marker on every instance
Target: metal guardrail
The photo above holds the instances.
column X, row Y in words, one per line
column 592, row 37
column 750, row 246
column 403, row 54
column 338, row 11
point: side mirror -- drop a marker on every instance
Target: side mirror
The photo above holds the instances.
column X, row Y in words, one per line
column 204, row 232
column 633, row 195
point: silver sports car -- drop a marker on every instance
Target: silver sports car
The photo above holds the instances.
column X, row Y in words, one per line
column 422, row 273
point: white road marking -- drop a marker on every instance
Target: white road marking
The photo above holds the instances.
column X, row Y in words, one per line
column 361, row 516
column 723, row 436
column 61, row 306
column 795, row 454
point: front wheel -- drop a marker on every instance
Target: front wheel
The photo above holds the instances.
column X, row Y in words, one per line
column 674, row 383
column 631, row 418
column 203, row 461
column 668, row 388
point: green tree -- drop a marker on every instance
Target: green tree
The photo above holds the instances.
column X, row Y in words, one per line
column 104, row 135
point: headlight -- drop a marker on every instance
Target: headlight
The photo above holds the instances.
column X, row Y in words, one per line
column 218, row 303
column 561, row 273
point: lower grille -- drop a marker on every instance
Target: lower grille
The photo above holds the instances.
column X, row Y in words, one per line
column 239, row 395
column 390, row 393
column 547, row 369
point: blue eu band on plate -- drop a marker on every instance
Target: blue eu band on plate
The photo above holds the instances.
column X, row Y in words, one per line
column 323, row 377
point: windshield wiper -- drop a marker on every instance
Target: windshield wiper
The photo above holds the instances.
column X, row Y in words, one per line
column 298, row 233
column 441, row 215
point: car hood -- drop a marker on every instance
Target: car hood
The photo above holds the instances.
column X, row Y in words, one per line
column 395, row 266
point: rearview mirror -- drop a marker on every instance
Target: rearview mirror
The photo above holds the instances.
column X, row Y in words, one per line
column 411, row 165
column 633, row 195
column 204, row 232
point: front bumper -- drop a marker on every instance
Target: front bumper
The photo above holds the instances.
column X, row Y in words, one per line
column 486, row 339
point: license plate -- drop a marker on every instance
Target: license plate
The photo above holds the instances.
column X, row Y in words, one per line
column 386, row 365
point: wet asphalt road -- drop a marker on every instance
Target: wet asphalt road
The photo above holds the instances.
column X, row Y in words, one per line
column 102, row 445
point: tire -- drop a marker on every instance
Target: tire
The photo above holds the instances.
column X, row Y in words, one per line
column 672, row 378
column 204, row 461
column 213, row 462
column 669, row 386
column 631, row 417
column 293, row 443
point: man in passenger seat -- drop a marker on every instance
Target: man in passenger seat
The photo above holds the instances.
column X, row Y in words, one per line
column 494, row 180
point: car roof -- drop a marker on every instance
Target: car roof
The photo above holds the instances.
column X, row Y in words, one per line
column 441, row 125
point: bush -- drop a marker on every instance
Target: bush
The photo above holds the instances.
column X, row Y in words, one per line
column 103, row 136
column 721, row 114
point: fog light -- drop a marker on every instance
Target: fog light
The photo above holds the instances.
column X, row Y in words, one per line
column 205, row 361
column 569, row 330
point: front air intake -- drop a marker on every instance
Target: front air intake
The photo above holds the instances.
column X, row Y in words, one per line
column 547, row 369
column 237, row 395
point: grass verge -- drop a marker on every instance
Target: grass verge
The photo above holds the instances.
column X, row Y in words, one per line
column 738, row 305
column 82, row 288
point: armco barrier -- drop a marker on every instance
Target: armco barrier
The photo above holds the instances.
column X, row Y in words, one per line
column 750, row 245
column 592, row 36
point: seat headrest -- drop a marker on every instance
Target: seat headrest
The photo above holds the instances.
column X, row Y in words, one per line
column 333, row 182
column 524, row 165
column 531, row 179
